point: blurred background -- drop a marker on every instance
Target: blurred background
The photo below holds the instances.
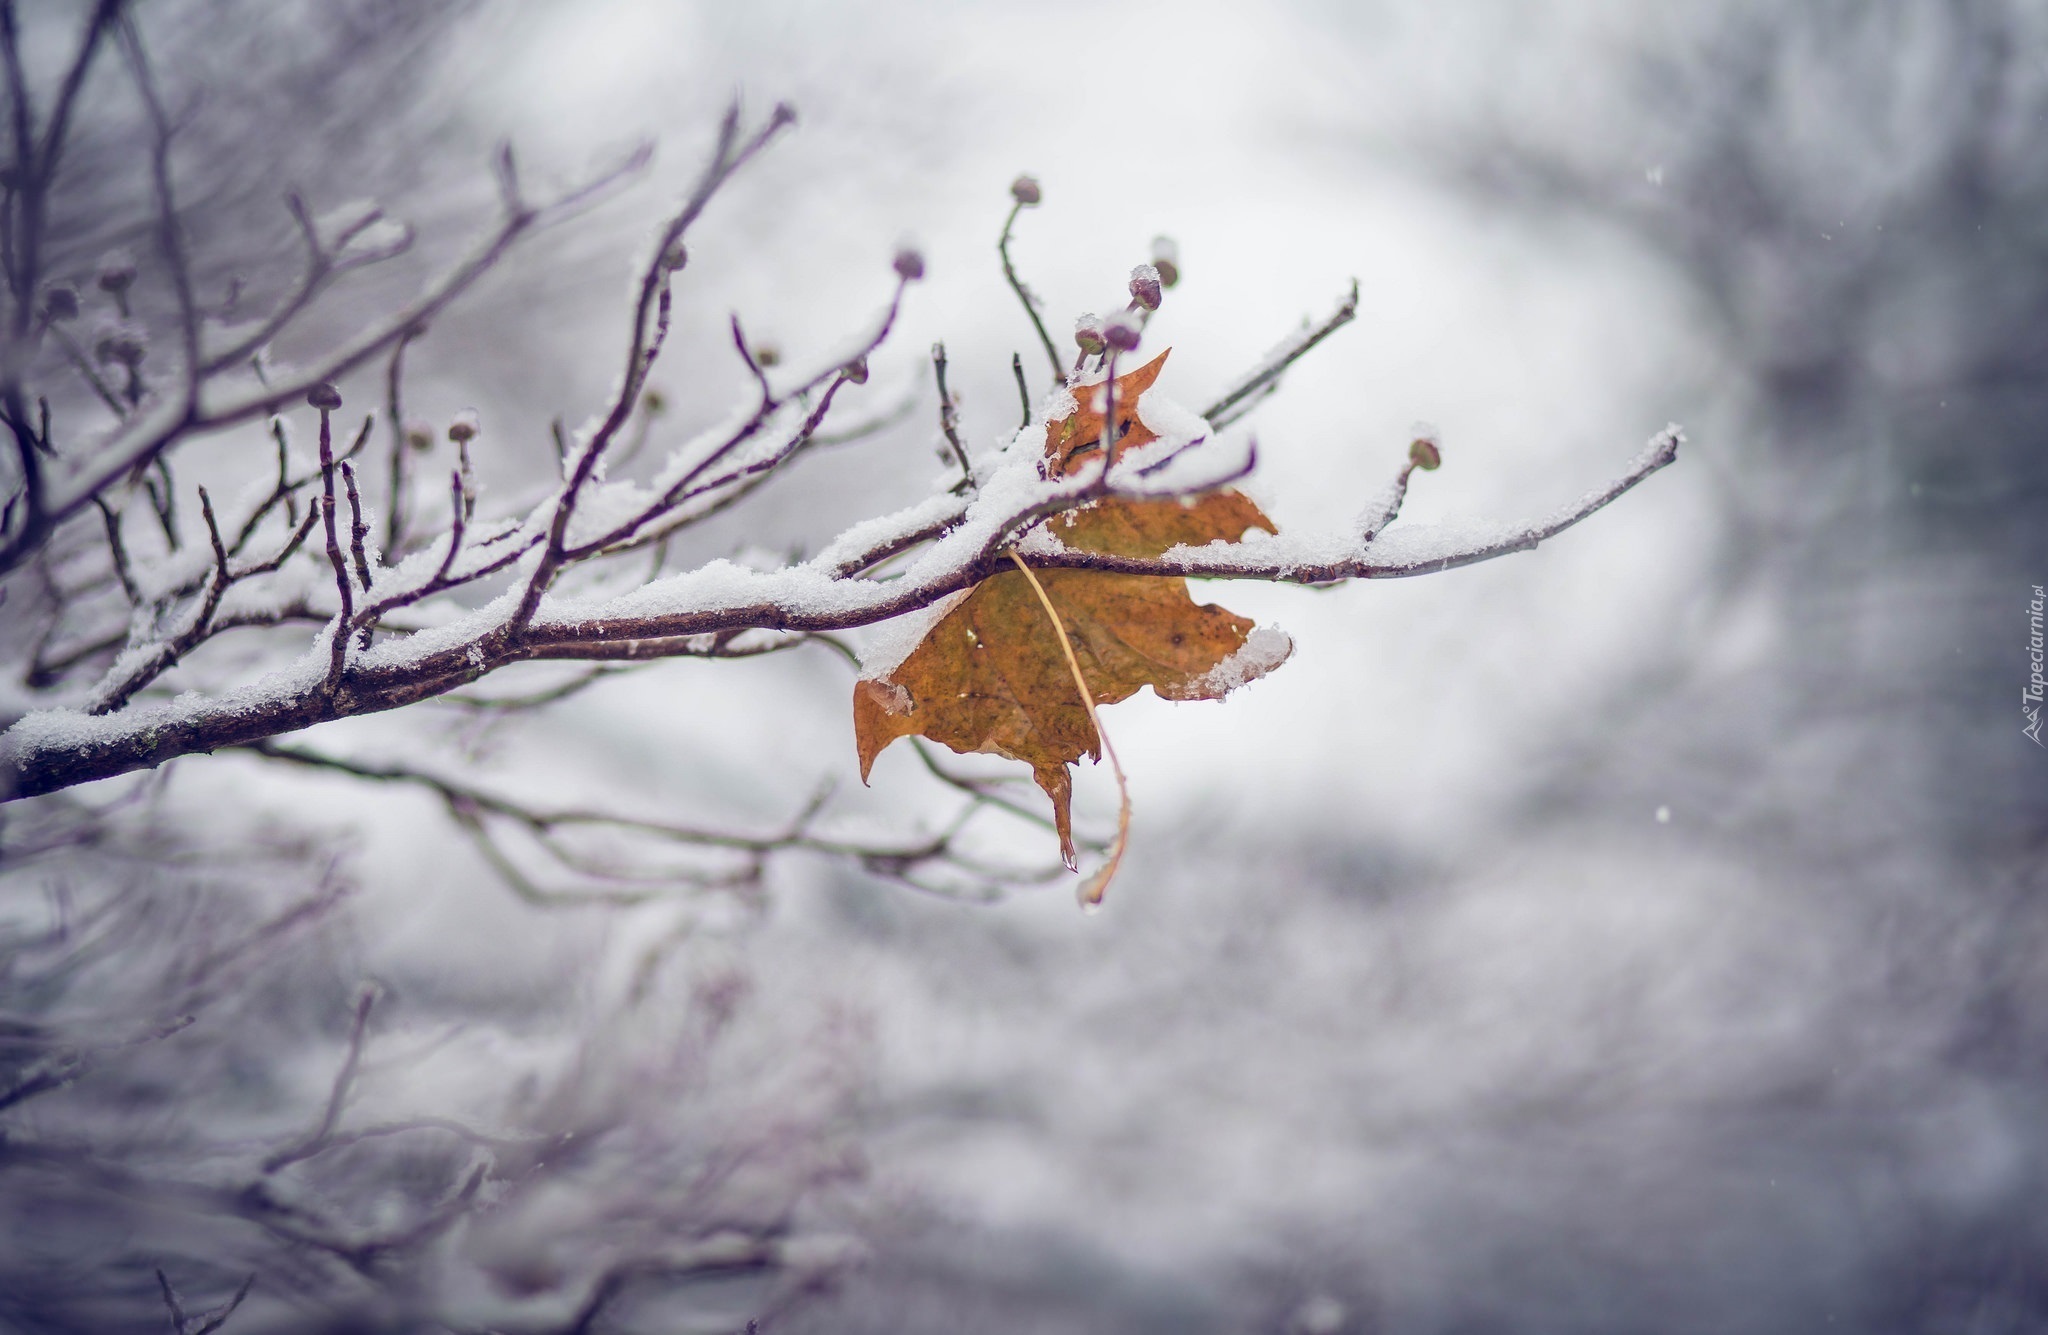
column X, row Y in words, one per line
column 1639, row 933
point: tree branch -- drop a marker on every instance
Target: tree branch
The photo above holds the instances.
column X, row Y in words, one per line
column 318, row 1138
column 140, row 438
column 644, row 344
column 1254, row 384
column 609, row 882
column 169, row 243
column 46, row 752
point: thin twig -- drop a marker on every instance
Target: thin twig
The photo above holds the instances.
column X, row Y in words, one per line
column 170, row 1294
column 739, row 340
column 395, row 498
column 473, row 809
column 1024, row 297
column 1387, row 508
column 1261, row 378
column 873, row 426
column 164, row 500
column 324, row 264
column 83, row 365
column 338, row 649
column 213, row 1321
column 949, row 423
column 169, row 243
column 358, row 530
column 337, row 1095
column 122, row 571
column 221, row 578
column 148, row 433
column 206, row 1323
column 644, row 345
column 458, row 504
column 646, row 525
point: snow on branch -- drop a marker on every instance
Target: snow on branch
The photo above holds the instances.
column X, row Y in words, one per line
column 119, row 598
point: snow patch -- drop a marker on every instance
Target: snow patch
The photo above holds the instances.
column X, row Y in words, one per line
column 1264, row 649
column 1175, row 425
column 884, row 648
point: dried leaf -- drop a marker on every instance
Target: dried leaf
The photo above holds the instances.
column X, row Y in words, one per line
column 1070, row 441
column 990, row 676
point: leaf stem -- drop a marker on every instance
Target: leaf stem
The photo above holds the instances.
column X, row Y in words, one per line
column 1091, row 890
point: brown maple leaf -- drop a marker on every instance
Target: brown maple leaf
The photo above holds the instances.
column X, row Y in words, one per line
column 992, row 675
column 1070, row 441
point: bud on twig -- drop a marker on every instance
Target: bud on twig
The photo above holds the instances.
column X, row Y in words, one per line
column 60, row 302
column 1166, row 260
column 1120, row 331
column 117, row 275
column 1088, row 334
column 419, row 436
column 324, row 396
column 463, row 430
column 127, row 345
column 1145, row 283
column 1025, row 190
column 856, row 370
column 909, row 265
column 120, row 344
column 1424, row 454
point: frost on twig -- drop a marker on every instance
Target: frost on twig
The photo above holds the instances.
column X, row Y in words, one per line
column 1249, row 389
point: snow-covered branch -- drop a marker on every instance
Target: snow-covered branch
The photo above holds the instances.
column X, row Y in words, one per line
column 118, row 613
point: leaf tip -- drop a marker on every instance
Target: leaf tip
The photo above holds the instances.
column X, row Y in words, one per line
column 879, row 710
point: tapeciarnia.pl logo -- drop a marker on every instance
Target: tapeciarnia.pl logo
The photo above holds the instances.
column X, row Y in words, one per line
column 2030, row 699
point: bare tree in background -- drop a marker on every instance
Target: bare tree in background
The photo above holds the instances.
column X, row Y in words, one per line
column 326, row 573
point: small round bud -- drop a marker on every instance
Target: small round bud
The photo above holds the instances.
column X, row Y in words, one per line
column 1145, row 282
column 60, row 302
column 465, row 426
column 419, row 437
column 324, row 396
column 767, row 355
column 856, row 370
column 1120, row 331
column 1088, row 334
column 909, row 265
column 678, row 255
column 117, row 272
column 1025, row 190
column 1166, row 259
column 121, row 345
column 654, row 402
column 1424, row 454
